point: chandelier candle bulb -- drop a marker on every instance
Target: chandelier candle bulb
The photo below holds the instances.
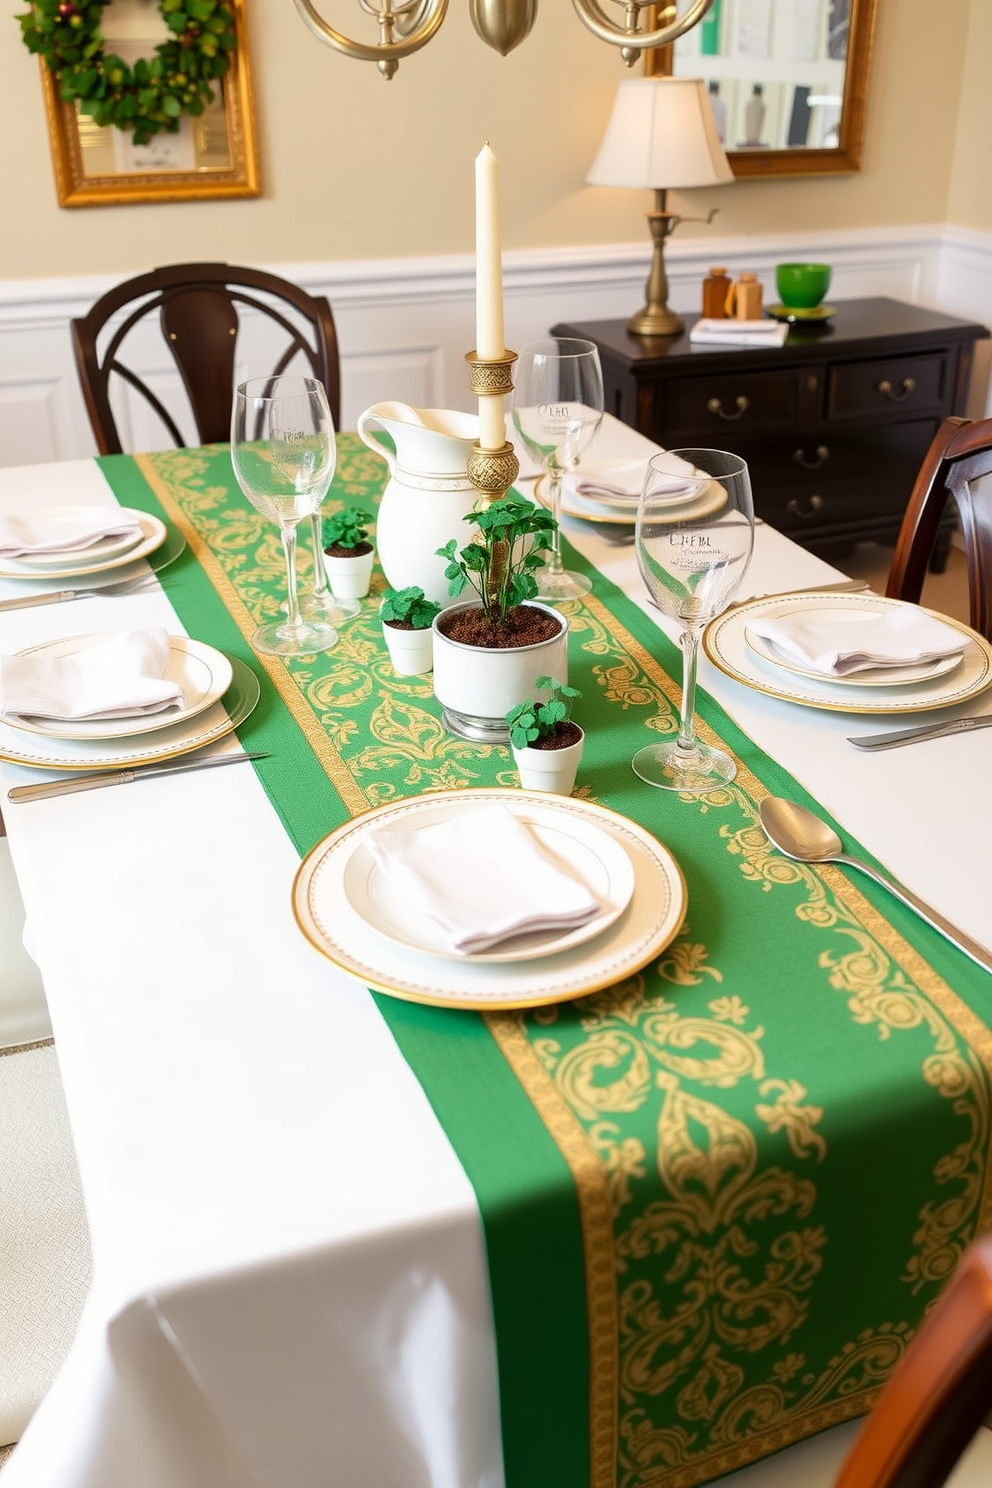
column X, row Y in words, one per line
column 489, row 334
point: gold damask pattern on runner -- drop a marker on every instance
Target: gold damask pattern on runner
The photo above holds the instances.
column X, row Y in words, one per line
column 710, row 1167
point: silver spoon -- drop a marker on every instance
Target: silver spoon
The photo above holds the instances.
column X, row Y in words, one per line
column 801, row 835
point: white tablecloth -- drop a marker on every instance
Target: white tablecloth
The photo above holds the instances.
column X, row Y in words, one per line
column 289, row 1278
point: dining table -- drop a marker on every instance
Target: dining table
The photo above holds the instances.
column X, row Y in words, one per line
column 635, row 1239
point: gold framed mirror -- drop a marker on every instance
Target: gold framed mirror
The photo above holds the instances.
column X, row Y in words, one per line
column 213, row 155
column 788, row 83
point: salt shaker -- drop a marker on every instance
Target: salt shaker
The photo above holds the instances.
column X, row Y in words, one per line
column 744, row 298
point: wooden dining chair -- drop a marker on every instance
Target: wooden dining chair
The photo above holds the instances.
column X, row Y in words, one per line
column 940, row 1392
column 955, row 464
column 202, row 310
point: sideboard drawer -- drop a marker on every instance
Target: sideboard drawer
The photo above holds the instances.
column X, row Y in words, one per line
column 843, row 479
column 746, row 401
column 855, row 389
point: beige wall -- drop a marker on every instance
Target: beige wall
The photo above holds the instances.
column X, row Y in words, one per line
column 356, row 168
column 969, row 201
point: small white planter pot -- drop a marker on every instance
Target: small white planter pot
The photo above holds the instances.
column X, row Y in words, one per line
column 349, row 578
column 410, row 651
column 478, row 685
column 549, row 769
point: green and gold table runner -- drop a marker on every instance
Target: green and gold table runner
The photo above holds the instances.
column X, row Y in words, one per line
column 717, row 1198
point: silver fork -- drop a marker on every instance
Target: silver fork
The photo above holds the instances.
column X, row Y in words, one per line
column 59, row 596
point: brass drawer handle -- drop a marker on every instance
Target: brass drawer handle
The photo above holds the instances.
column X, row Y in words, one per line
column 822, row 456
column 795, row 507
column 715, row 406
column 908, row 386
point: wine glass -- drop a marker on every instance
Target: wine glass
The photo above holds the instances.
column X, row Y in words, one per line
column 557, row 411
column 694, row 536
column 283, row 453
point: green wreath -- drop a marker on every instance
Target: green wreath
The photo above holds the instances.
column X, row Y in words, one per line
column 154, row 94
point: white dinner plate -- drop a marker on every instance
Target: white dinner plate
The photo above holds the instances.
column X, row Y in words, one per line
column 213, row 723
column 589, row 510
column 890, row 676
column 725, row 643
column 639, row 933
column 203, row 674
column 580, row 846
column 91, row 560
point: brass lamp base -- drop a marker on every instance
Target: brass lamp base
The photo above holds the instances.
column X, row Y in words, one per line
column 655, row 320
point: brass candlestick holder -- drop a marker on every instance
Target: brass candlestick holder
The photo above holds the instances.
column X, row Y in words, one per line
column 492, row 472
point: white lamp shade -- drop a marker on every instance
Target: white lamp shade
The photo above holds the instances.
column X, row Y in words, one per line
column 661, row 133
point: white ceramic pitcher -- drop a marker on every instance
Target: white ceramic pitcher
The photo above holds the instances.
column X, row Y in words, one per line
column 428, row 493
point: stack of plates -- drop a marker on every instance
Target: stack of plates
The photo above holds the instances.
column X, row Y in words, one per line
column 346, row 908
column 105, row 556
column 219, row 694
column 622, row 510
column 733, row 646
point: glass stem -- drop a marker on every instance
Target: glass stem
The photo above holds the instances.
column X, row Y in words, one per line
column 689, row 640
column 552, row 558
column 294, row 621
column 321, row 588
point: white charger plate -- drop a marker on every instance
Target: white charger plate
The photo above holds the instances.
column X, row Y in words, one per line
column 582, row 847
column 226, row 714
column 153, row 534
column 650, row 920
column 890, row 676
column 203, row 674
column 726, row 646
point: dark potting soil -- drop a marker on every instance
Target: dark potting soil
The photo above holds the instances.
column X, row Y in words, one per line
column 524, row 626
column 337, row 551
column 564, row 735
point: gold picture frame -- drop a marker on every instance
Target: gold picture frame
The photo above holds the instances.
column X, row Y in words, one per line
column 214, row 155
column 859, row 18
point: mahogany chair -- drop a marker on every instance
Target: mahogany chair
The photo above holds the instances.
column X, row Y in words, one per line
column 940, row 1392
column 958, row 458
column 197, row 306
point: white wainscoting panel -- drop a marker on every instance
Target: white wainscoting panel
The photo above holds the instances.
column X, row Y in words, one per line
column 404, row 325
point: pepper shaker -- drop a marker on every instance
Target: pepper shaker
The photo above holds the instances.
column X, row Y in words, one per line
column 715, row 290
column 744, row 298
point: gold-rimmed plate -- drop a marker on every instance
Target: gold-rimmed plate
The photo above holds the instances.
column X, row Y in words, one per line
column 203, row 674
column 153, row 535
column 650, row 920
column 223, row 716
column 725, row 643
column 588, row 509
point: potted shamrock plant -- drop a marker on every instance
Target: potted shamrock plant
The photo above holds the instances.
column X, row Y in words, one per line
column 490, row 650
column 348, row 554
column 407, row 617
column 546, row 744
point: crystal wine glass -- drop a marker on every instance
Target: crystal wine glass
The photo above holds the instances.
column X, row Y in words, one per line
column 557, row 411
column 695, row 533
column 282, row 449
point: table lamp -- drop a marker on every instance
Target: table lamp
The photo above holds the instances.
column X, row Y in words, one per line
column 661, row 134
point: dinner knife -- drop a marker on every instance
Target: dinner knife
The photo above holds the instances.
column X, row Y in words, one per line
column 125, row 777
column 926, row 731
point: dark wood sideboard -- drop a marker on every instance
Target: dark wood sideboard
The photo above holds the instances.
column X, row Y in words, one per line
column 834, row 424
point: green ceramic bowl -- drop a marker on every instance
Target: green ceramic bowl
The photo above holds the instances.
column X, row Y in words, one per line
column 801, row 286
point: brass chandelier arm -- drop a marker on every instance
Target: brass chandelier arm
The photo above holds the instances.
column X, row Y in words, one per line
column 591, row 14
column 432, row 13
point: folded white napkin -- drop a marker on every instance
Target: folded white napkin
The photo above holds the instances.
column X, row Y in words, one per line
column 24, row 536
column 608, row 480
column 619, row 482
column 739, row 333
column 838, row 642
column 121, row 677
column 481, row 878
